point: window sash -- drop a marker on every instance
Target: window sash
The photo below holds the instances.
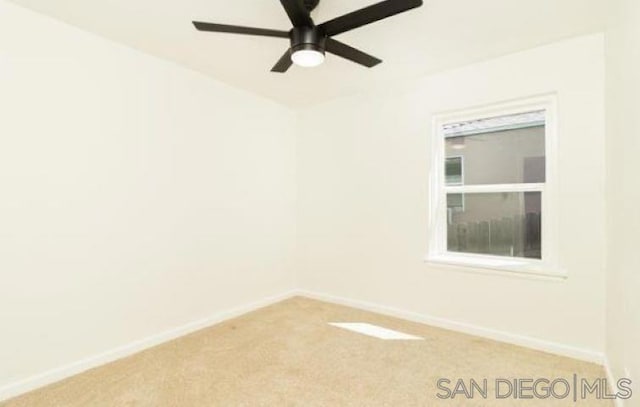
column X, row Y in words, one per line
column 437, row 252
column 478, row 241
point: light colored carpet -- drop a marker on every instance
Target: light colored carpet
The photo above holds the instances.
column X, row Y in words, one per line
column 287, row 355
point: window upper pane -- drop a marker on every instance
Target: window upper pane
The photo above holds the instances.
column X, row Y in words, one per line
column 499, row 224
column 499, row 150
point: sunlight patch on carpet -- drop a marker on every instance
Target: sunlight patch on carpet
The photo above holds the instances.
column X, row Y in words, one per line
column 375, row 331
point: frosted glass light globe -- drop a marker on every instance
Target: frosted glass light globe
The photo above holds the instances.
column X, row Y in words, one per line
column 307, row 58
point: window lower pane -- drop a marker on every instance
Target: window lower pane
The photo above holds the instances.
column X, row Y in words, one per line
column 499, row 224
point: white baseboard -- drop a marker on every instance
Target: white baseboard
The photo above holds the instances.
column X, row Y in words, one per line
column 501, row 336
column 57, row 374
column 62, row 372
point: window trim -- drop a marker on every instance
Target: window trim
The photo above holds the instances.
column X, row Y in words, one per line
column 437, row 252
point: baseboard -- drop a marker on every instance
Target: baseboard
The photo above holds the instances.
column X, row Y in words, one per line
column 501, row 336
column 63, row 372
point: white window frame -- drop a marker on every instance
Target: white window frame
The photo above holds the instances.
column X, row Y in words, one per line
column 437, row 252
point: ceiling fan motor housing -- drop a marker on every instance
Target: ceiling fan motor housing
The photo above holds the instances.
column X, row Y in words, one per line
column 307, row 38
column 311, row 4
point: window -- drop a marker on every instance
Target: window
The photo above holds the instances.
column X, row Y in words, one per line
column 492, row 196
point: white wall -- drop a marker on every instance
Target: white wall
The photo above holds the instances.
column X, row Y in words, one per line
column 135, row 196
column 623, row 167
column 138, row 196
column 363, row 194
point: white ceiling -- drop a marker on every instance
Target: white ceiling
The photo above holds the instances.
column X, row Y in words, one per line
column 441, row 34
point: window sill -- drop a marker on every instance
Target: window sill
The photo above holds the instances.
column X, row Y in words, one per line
column 497, row 266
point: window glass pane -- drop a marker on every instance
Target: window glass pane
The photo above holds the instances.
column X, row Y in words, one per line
column 500, row 224
column 453, row 171
column 500, row 150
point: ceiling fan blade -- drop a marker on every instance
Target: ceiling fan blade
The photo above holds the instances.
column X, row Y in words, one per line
column 236, row 29
column 350, row 53
column 298, row 13
column 284, row 63
column 368, row 15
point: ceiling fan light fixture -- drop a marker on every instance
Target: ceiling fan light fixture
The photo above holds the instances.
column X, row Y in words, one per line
column 310, row 41
column 307, row 58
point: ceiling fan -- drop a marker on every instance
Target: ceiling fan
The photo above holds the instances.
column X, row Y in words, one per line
column 310, row 41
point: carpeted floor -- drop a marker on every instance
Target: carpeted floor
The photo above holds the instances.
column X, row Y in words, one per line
column 288, row 355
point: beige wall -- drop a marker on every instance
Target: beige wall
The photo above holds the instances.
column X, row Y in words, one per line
column 136, row 196
column 623, row 167
column 363, row 199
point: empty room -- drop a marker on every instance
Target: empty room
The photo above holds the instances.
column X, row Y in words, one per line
column 319, row 203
